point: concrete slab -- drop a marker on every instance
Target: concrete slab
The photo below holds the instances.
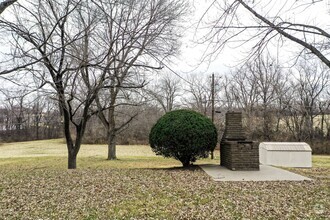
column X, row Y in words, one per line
column 266, row 173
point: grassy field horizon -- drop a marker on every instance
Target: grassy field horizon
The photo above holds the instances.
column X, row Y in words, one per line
column 42, row 154
column 57, row 147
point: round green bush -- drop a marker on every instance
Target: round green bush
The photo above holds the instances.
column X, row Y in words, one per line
column 184, row 135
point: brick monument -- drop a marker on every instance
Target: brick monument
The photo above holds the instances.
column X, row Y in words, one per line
column 236, row 152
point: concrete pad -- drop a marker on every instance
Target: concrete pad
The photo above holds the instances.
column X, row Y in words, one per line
column 266, row 173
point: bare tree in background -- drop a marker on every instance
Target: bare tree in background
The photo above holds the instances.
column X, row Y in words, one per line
column 17, row 110
column 27, row 115
column 199, row 91
column 313, row 80
column 254, row 89
column 244, row 90
column 324, row 109
column 165, row 92
column 268, row 76
column 38, row 109
column 109, row 104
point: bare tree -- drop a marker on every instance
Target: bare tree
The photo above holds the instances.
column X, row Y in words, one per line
column 254, row 88
column 12, row 62
column 245, row 90
column 137, row 131
column 165, row 92
column 38, row 109
column 324, row 109
column 199, row 90
column 267, row 25
column 201, row 95
column 49, row 33
column 109, row 104
column 302, row 98
column 325, row 126
column 27, row 116
column 51, row 119
column 228, row 100
column 17, row 110
column 138, row 34
column 267, row 73
column 313, row 80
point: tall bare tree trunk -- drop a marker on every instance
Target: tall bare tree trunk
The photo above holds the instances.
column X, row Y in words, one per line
column 112, row 146
column 73, row 146
column 112, row 130
column 37, row 131
column 322, row 125
column 72, row 160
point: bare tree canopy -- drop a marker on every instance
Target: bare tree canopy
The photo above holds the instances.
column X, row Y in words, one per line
column 272, row 21
column 165, row 92
column 138, row 35
column 61, row 38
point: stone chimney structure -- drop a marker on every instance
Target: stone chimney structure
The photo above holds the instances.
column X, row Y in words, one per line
column 236, row 152
column 234, row 127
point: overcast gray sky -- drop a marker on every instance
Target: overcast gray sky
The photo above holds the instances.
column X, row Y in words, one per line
column 191, row 53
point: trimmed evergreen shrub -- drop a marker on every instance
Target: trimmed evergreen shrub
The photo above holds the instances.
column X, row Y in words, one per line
column 184, row 135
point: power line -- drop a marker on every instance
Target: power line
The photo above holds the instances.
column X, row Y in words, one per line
column 169, row 68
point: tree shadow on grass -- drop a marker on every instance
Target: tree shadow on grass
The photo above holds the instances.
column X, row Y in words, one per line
column 176, row 168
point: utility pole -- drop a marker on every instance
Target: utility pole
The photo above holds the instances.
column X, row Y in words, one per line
column 212, row 104
column 212, row 97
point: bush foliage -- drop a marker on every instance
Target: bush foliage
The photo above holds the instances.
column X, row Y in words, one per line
column 184, row 135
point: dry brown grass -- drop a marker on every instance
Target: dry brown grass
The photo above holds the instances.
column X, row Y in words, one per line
column 57, row 147
column 147, row 187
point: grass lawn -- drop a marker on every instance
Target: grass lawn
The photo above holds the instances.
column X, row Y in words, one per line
column 35, row 184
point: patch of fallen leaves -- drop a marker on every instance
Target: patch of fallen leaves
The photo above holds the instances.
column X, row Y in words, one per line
column 157, row 194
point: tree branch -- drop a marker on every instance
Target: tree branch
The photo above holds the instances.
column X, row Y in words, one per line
column 279, row 29
column 5, row 4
